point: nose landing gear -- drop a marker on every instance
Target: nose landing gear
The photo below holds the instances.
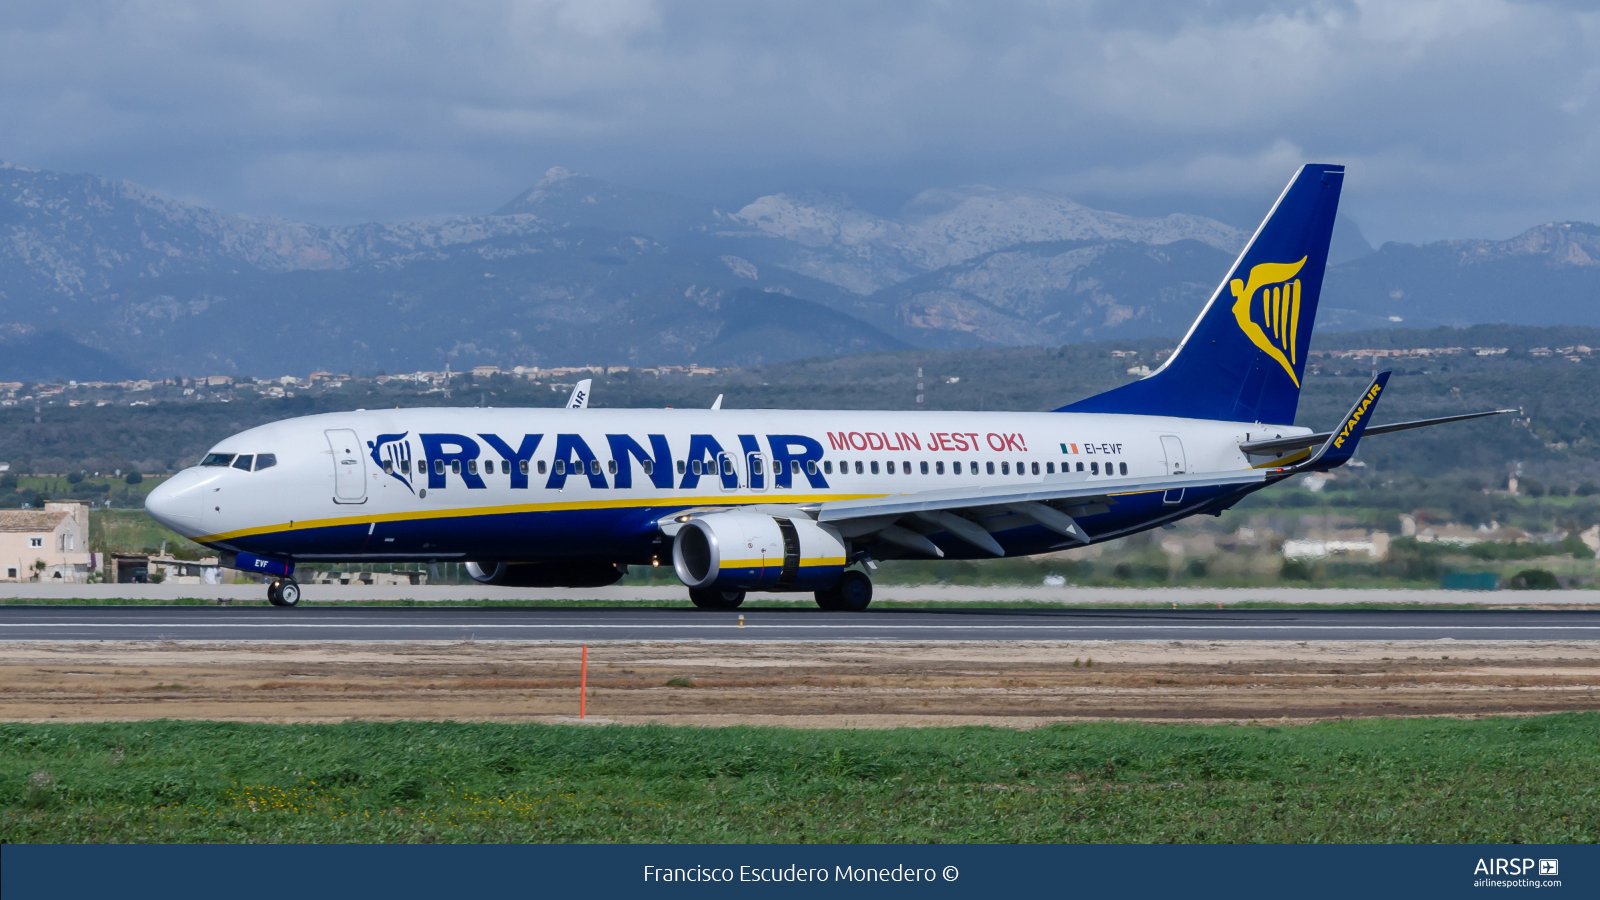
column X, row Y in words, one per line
column 283, row 591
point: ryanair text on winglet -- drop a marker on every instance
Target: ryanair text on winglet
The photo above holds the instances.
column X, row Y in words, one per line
column 1366, row 404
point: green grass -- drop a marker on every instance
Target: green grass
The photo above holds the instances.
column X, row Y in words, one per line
column 1419, row 780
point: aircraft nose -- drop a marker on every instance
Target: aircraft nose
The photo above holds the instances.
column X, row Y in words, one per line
column 176, row 503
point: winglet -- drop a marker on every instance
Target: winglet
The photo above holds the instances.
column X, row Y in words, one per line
column 1341, row 445
column 580, row 395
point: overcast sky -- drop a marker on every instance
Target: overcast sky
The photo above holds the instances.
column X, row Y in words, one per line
column 1471, row 118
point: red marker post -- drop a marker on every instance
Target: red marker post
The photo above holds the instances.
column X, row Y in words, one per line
column 583, row 684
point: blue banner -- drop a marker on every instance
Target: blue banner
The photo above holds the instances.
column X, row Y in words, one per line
column 62, row 872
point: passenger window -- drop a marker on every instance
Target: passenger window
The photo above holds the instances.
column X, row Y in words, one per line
column 1035, row 468
column 989, row 467
column 488, row 467
column 561, row 467
column 472, row 467
column 938, row 467
column 594, row 466
column 1094, row 468
column 405, row 466
column 522, row 465
column 266, row 460
column 891, row 467
column 827, row 467
column 695, row 467
column 1022, row 467
column 243, row 461
column 649, row 466
column 811, row 467
column 680, row 467
column 455, row 467
column 1080, row 467
column 438, row 467
column 794, row 467
column 611, row 466
column 217, row 459
column 541, row 467
column 1049, row 468
column 924, row 467
column 1123, row 467
column 858, row 467
column 906, row 467
column 755, row 465
column 875, row 467
column 955, row 467
column 388, row 467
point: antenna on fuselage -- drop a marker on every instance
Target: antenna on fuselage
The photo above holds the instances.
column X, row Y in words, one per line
column 717, row 403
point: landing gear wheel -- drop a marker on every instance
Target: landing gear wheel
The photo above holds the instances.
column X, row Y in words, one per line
column 853, row 593
column 283, row 592
column 714, row 598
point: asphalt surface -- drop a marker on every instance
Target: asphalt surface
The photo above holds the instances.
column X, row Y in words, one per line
column 102, row 623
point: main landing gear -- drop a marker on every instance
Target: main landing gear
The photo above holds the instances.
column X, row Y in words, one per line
column 713, row 598
column 283, row 591
column 851, row 594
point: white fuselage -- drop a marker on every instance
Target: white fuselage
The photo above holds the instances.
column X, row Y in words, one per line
column 423, row 484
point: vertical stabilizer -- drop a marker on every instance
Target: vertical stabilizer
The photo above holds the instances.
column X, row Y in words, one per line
column 1243, row 359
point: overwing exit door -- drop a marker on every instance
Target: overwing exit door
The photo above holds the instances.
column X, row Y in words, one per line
column 349, row 466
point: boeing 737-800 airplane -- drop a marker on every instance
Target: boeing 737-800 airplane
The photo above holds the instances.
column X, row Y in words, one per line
column 771, row 500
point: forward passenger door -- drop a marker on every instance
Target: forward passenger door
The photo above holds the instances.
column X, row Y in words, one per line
column 349, row 466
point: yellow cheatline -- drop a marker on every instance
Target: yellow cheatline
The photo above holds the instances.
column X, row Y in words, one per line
column 1287, row 460
column 763, row 564
column 469, row 512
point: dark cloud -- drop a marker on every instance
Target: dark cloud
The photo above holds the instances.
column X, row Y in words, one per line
column 1475, row 117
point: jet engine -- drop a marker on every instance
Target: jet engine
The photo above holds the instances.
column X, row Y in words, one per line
column 750, row 551
column 546, row 574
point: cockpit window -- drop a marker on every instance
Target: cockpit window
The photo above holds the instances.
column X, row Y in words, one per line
column 243, row 461
column 266, row 460
column 217, row 459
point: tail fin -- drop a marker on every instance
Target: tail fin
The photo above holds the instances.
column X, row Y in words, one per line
column 1242, row 360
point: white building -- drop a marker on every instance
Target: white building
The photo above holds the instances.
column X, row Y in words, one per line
column 56, row 536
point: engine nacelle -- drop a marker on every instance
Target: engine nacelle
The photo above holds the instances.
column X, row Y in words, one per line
column 546, row 575
column 751, row 551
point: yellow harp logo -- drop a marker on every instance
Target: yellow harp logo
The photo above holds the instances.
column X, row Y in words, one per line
column 1278, row 330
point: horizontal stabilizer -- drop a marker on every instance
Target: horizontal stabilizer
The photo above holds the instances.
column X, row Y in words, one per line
column 1301, row 441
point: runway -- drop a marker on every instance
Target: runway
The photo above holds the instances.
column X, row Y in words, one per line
column 57, row 623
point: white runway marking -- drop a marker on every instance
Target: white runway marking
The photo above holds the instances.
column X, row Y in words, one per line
column 748, row 625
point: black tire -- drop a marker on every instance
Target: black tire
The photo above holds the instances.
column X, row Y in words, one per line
column 828, row 600
column 283, row 592
column 715, row 598
column 853, row 592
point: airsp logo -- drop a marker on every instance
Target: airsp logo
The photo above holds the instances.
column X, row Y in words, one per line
column 392, row 453
column 1274, row 323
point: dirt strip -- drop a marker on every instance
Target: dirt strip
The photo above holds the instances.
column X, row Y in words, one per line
column 1016, row 685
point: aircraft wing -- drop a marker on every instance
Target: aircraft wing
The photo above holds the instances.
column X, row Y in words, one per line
column 1069, row 487
column 1302, row 441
